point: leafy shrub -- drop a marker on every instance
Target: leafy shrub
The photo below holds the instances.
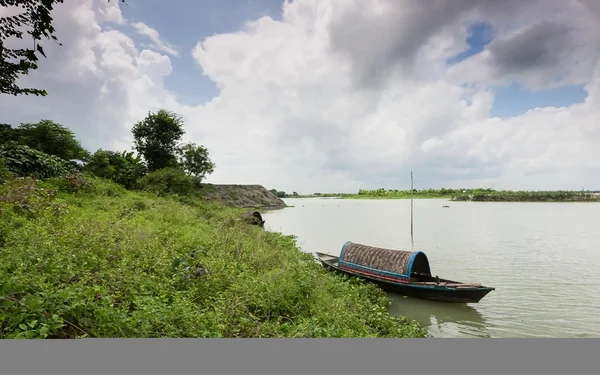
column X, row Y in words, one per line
column 167, row 181
column 101, row 187
column 51, row 138
column 5, row 174
column 72, row 183
column 122, row 168
column 24, row 161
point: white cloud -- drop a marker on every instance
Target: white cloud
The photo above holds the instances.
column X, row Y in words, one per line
column 164, row 46
column 337, row 97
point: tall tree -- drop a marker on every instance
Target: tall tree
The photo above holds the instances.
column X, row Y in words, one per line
column 36, row 20
column 7, row 133
column 156, row 138
column 195, row 161
column 51, row 138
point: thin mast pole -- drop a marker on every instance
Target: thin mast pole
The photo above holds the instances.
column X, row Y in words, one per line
column 411, row 206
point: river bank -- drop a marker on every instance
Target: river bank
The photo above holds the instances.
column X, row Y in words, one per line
column 87, row 258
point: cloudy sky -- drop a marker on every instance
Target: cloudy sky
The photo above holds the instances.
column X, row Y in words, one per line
column 338, row 95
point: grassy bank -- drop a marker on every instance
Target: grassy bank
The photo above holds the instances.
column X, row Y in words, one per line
column 87, row 258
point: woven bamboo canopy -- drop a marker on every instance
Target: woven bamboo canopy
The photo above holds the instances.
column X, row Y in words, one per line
column 399, row 263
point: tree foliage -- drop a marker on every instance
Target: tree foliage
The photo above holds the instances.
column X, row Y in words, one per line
column 6, row 133
column 156, row 138
column 26, row 161
column 122, row 168
column 195, row 161
column 35, row 19
column 167, row 181
column 279, row 194
column 51, row 138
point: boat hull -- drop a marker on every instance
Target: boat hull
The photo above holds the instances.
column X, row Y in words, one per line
column 430, row 292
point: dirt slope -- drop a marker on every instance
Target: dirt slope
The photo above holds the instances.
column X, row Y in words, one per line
column 245, row 196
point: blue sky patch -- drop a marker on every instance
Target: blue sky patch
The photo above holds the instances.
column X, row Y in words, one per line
column 201, row 19
column 516, row 99
column 480, row 35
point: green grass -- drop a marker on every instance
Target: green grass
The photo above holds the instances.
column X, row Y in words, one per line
column 107, row 262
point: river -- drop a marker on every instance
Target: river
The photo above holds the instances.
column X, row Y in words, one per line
column 542, row 258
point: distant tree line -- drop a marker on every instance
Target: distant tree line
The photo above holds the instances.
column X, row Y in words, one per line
column 283, row 194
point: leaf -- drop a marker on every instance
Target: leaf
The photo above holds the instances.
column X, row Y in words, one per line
column 44, row 331
column 33, row 323
column 41, row 50
column 23, row 327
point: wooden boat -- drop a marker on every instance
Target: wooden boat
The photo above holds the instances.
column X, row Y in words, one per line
column 404, row 272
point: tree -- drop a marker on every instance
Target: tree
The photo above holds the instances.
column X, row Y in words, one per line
column 194, row 160
column 122, row 168
column 51, row 138
column 7, row 133
column 156, row 137
column 14, row 62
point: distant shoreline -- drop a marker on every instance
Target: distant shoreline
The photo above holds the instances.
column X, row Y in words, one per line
column 473, row 195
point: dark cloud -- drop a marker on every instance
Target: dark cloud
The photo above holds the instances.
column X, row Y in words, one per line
column 381, row 44
column 376, row 43
column 539, row 46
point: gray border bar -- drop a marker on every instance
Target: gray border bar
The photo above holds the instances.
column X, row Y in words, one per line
column 299, row 356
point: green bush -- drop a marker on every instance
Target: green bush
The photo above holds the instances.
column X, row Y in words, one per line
column 24, row 161
column 51, row 138
column 73, row 183
column 122, row 168
column 5, row 173
column 167, row 181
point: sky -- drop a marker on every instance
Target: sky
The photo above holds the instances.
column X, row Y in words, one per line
column 337, row 95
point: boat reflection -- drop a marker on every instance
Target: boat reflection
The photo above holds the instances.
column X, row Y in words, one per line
column 439, row 318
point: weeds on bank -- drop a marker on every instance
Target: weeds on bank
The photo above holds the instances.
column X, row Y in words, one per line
column 87, row 258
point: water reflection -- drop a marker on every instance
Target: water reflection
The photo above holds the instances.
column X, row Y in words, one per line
column 441, row 319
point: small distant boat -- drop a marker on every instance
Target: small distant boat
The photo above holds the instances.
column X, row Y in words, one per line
column 403, row 272
column 446, row 206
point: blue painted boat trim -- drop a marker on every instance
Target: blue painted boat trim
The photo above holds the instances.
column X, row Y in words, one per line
column 412, row 258
column 343, row 249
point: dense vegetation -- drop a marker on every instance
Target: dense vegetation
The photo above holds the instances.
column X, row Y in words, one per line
column 114, row 246
column 87, row 258
column 47, row 149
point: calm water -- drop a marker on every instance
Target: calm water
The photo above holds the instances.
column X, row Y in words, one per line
column 542, row 258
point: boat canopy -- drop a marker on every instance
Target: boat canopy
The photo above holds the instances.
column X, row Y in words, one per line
column 386, row 262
